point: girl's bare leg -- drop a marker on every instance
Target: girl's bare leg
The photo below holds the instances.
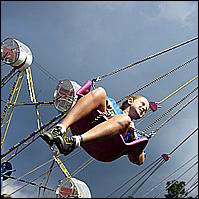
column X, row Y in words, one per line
column 107, row 129
column 85, row 105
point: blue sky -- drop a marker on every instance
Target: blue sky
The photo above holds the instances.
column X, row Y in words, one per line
column 82, row 40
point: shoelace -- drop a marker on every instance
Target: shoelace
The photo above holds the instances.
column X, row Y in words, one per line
column 69, row 140
column 56, row 131
column 108, row 113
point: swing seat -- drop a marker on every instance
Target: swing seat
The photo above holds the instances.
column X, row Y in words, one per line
column 107, row 150
column 110, row 149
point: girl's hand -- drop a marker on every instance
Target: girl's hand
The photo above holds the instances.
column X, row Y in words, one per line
column 132, row 129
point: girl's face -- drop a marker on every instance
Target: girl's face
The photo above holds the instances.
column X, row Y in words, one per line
column 138, row 107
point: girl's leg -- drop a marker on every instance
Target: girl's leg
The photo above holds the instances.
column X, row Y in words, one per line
column 116, row 124
column 105, row 130
column 85, row 105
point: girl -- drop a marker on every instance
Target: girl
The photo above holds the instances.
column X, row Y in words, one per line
column 119, row 121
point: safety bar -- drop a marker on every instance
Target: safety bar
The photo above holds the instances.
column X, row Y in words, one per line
column 84, row 88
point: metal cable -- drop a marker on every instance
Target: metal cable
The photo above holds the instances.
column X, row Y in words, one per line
column 144, row 174
column 135, row 191
column 147, row 58
column 178, row 192
column 159, row 78
column 146, row 193
column 184, row 106
column 177, row 178
column 169, row 110
column 183, row 141
column 46, row 72
column 146, row 168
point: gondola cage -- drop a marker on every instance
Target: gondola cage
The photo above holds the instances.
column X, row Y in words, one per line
column 16, row 54
column 73, row 188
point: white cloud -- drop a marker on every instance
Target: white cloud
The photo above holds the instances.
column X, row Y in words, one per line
column 114, row 5
column 182, row 12
column 8, row 189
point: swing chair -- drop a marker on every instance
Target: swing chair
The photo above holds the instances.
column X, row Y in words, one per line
column 65, row 96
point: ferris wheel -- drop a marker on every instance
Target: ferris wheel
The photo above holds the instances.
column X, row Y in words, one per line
column 17, row 55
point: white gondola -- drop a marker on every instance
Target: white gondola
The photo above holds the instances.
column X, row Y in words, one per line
column 73, row 188
column 16, row 54
column 65, row 95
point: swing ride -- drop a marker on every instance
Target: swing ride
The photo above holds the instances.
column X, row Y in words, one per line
column 19, row 57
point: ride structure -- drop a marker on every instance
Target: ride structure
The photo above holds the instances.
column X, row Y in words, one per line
column 19, row 56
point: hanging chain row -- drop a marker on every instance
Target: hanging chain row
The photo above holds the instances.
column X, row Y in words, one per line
column 145, row 59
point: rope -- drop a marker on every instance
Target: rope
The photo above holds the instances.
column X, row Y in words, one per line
column 175, row 114
column 90, row 160
column 146, row 168
column 46, row 72
column 158, row 166
column 181, row 87
column 169, row 110
column 159, row 78
column 31, row 135
column 144, row 174
column 183, row 141
column 8, row 77
column 192, row 188
column 177, row 194
column 19, row 179
column 28, row 183
column 160, row 163
column 146, row 193
column 145, row 59
column 177, row 178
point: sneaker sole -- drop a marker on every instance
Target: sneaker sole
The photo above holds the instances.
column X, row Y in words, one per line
column 47, row 139
column 59, row 145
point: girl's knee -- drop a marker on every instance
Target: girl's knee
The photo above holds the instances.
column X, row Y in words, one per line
column 99, row 93
column 122, row 120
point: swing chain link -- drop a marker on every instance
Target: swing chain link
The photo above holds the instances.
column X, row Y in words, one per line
column 97, row 79
column 148, row 136
column 153, row 133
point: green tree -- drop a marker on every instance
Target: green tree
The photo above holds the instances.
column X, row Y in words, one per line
column 175, row 189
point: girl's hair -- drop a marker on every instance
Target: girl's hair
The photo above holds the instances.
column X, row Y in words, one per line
column 125, row 102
